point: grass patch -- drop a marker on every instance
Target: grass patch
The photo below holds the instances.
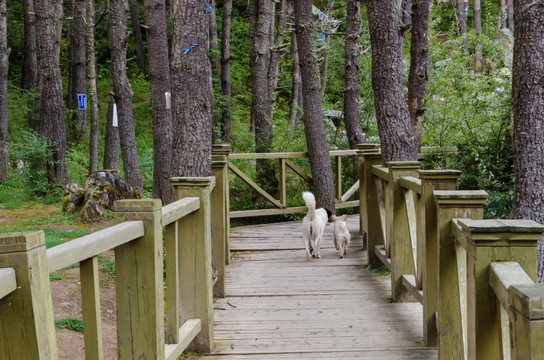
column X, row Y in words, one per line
column 70, row 324
column 53, row 237
column 380, row 271
column 107, row 267
column 56, row 277
column 190, row 355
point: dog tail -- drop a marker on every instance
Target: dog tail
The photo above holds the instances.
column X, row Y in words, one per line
column 309, row 199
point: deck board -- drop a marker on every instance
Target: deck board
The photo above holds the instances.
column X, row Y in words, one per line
column 280, row 305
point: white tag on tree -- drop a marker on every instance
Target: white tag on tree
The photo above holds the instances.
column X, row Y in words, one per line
column 114, row 122
column 168, row 99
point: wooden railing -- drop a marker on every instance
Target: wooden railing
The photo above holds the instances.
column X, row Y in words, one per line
column 285, row 164
column 27, row 330
column 473, row 277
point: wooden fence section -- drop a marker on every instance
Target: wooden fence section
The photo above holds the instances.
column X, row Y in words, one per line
column 473, row 277
column 25, row 295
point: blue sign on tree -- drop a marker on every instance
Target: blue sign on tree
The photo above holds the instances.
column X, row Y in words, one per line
column 81, row 101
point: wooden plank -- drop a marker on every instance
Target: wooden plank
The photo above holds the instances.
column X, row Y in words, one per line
column 256, row 187
column 380, row 252
column 411, row 183
column 285, row 155
column 502, row 275
column 173, row 305
column 187, row 332
column 298, row 171
column 8, row 284
column 381, row 171
column 179, row 209
column 91, row 245
column 338, row 178
column 90, row 303
column 350, row 192
column 409, row 282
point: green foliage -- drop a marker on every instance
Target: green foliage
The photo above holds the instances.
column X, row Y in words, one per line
column 107, row 267
column 70, row 324
column 56, row 277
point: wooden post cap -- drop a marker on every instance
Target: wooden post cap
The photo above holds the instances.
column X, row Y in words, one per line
column 368, row 147
column 528, row 299
column 403, row 165
column 447, row 174
column 137, row 205
column 501, row 226
column 202, row 182
column 456, row 198
column 21, row 241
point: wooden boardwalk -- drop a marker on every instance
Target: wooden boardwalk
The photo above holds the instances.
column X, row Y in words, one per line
column 279, row 305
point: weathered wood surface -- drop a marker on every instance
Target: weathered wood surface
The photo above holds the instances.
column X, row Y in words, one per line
column 279, row 305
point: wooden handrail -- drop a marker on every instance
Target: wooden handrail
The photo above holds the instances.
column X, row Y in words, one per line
column 502, row 275
column 381, row 171
column 91, row 245
column 411, row 183
column 7, row 281
column 179, row 209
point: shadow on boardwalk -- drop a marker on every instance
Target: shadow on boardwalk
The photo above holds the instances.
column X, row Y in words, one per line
column 279, row 305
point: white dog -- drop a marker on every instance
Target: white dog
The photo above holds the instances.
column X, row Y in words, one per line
column 313, row 226
column 342, row 236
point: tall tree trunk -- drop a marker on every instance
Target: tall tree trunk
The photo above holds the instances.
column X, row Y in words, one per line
column 159, row 76
column 528, row 116
column 398, row 142
column 478, row 32
column 352, row 58
column 137, row 32
column 297, row 102
column 214, row 49
column 419, row 57
column 261, row 13
column 51, row 114
column 191, row 95
column 462, row 11
column 327, row 30
column 276, row 49
column 30, row 61
column 29, row 79
column 122, row 92
column 77, row 127
column 510, row 14
column 4, row 54
column 407, row 13
column 502, row 19
column 314, row 129
column 225, row 71
column 91, row 80
column 111, row 142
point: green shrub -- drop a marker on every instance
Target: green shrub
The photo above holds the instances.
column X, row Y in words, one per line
column 70, row 324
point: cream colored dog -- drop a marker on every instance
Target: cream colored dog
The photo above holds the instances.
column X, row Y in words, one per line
column 342, row 236
column 313, row 226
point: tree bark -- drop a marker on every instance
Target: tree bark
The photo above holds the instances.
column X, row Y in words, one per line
column 419, row 57
column 276, row 50
column 327, row 30
column 478, row 32
column 137, row 32
column 352, row 59
column 312, row 118
column 407, row 14
column 510, row 14
column 398, row 142
column 260, row 17
column 91, row 80
column 122, row 92
column 225, row 71
column 111, row 142
column 4, row 54
column 29, row 79
column 214, row 48
column 502, row 18
column 528, row 116
column 51, row 108
column 297, row 102
column 462, row 11
column 77, row 127
column 191, row 95
column 159, row 77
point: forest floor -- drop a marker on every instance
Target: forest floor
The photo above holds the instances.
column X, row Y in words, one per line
column 65, row 284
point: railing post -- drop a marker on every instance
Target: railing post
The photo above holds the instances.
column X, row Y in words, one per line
column 196, row 258
column 27, row 329
column 432, row 180
column 369, row 155
column 450, row 205
column 220, row 214
column 527, row 321
column 402, row 260
column 364, row 183
column 488, row 241
column 139, row 283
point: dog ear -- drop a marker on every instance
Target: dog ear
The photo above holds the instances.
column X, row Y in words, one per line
column 333, row 218
column 344, row 217
column 329, row 213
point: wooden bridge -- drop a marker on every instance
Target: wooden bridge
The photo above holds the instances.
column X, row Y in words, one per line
column 459, row 287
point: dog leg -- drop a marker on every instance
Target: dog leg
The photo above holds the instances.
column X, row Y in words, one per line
column 317, row 245
column 308, row 252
